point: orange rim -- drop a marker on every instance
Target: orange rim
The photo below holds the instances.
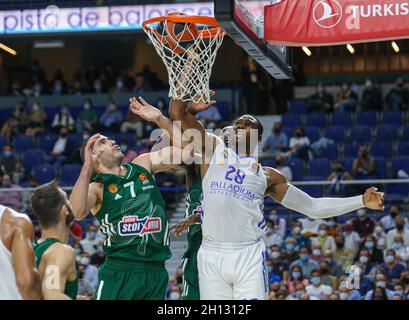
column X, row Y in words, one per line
column 210, row 21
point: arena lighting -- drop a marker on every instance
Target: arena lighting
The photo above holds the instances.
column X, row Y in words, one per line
column 48, row 44
column 307, row 51
column 8, row 49
column 350, row 48
column 395, row 46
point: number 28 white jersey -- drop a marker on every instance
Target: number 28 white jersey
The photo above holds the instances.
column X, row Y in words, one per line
column 233, row 196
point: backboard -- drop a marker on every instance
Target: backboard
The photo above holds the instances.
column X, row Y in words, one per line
column 243, row 20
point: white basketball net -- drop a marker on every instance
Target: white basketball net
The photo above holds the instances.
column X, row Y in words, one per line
column 189, row 70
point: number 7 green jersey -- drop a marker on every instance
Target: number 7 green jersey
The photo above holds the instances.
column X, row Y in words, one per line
column 133, row 217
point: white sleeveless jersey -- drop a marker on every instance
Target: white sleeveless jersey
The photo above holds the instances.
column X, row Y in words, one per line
column 8, row 287
column 233, row 197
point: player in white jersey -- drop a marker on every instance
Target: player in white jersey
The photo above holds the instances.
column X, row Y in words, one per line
column 18, row 276
column 231, row 260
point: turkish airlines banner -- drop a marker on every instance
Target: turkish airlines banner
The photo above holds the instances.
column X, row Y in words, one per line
column 326, row 22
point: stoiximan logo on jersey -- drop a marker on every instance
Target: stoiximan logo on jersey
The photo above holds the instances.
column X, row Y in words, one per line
column 133, row 226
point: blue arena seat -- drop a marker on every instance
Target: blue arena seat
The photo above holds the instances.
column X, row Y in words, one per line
column 44, row 173
column 351, row 150
column 32, row 158
column 381, row 149
column 297, row 168
column 46, row 142
column 291, row 120
column 400, row 163
column 3, row 142
column 22, row 143
column 405, row 136
column 403, row 149
column 386, row 133
column 316, row 119
column 268, row 162
column 361, row 134
column 336, row 133
column 69, row 174
column 313, row 133
column 341, row 118
column 313, row 191
column 319, row 168
column 330, row 152
column 298, row 106
column 289, row 131
column 381, row 167
column 392, row 117
column 401, row 189
column 366, row 118
column 348, row 162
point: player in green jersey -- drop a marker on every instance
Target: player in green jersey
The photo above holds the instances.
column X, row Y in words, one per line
column 54, row 258
column 126, row 201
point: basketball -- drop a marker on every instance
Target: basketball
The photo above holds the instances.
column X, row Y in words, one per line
column 179, row 37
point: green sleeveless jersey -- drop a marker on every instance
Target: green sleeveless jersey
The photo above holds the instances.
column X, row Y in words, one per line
column 132, row 217
column 71, row 287
column 194, row 206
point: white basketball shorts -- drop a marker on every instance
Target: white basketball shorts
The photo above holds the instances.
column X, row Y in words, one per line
column 232, row 272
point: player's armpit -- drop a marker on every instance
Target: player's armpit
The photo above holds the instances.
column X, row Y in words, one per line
column 58, row 262
column 27, row 278
column 277, row 184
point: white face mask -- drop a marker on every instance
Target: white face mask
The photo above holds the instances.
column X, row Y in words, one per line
column 297, row 230
column 316, row 252
column 343, row 295
column 363, row 259
column 275, row 255
column 378, row 229
column 322, row 233
column 174, row 296
column 84, row 261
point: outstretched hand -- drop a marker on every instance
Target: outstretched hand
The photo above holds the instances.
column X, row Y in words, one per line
column 90, row 156
column 144, row 110
column 373, row 199
column 183, row 225
column 195, row 108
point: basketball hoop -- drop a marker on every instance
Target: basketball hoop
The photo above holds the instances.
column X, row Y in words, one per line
column 188, row 46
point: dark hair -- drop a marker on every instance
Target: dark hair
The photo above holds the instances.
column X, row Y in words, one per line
column 260, row 126
column 316, row 271
column 305, row 247
column 46, row 202
column 301, row 278
column 384, row 296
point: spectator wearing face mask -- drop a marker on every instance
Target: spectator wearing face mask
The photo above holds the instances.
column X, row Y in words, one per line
column 371, row 97
column 335, row 269
column 397, row 98
column 402, row 251
column 398, row 292
column 301, row 240
column 364, row 167
column 36, row 119
column 129, row 154
column 405, row 285
column 299, row 145
column 289, row 252
column 91, row 242
column 62, row 148
column 391, row 267
column 346, row 292
column 12, row 199
column 347, row 99
column 91, row 272
column 295, row 278
column 389, row 220
column 326, row 242
column 398, row 230
column 310, row 226
column 174, row 293
column 321, row 100
column 284, row 169
column 272, row 236
column 279, row 267
column 367, row 266
column 332, row 227
column 326, row 277
column 351, row 237
column 63, row 119
column 317, row 288
column 8, row 160
column 280, row 223
column 363, row 224
column 338, row 175
column 133, row 123
column 375, row 255
column 343, row 255
column 78, row 248
column 379, row 235
column 380, row 291
column 316, row 252
column 111, row 119
column 85, row 288
column 305, row 262
column 276, row 143
column 87, row 118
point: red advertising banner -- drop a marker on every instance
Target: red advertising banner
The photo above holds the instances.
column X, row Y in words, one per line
column 326, row 22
